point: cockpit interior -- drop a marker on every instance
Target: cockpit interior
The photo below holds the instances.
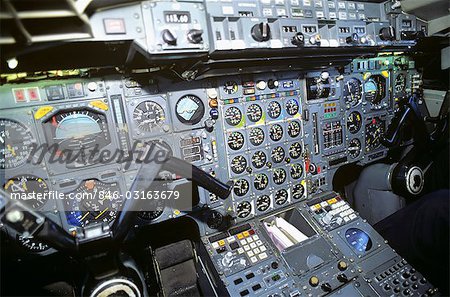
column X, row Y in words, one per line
column 279, row 148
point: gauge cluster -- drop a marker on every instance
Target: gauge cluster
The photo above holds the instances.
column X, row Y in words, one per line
column 279, row 137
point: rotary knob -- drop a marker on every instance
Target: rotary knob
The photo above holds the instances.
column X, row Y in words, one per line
column 298, row 39
column 261, row 32
column 169, row 37
column 352, row 39
column 387, row 33
column 195, row 36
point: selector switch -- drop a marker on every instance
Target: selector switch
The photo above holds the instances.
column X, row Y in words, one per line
column 195, row 36
column 342, row 265
column 273, row 84
column 169, row 37
column 298, row 39
column 326, row 287
column 261, row 32
column 314, row 281
column 387, row 33
column 352, row 39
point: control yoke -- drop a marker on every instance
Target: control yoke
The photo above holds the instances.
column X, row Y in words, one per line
column 25, row 221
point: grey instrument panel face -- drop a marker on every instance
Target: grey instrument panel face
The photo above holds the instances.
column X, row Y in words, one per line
column 279, row 137
column 165, row 27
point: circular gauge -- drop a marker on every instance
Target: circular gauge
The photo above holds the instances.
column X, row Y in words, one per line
column 230, row 87
column 31, row 244
column 298, row 191
column 279, row 176
column 374, row 89
column 241, row 187
column 151, row 215
column 277, row 154
column 189, row 109
column 354, row 122
column 214, row 219
column 233, row 116
column 274, row 109
column 235, row 140
column 352, row 92
column 359, row 240
column 259, row 159
column 256, row 136
column 15, row 144
column 294, row 129
column 281, row 196
column 238, row 164
column 148, row 115
column 295, row 150
column 243, row 209
column 92, row 202
column 354, row 148
column 261, row 181
column 263, row 203
column 292, row 106
column 296, row 171
column 374, row 130
column 276, row 132
column 28, row 184
column 400, row 83
column 254, row 113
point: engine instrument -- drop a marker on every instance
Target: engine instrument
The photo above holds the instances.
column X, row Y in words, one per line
column 148, row 115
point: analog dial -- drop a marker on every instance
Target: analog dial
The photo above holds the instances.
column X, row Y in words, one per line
column 241, row 187
column 354, row 122
column 263, row 203
column 233, row 116
column 274, row 109
column 296, row 171
column 279, row 176
column 374, row 131
column 235, row 140
column 261, row 181
column 276, row 132
column 354, row 148
column 277, row 154
column 238, row 164
column 292, row 107
column 352, row 92
column 294, row 129
column 400, row 83
column 93, row 202
column 189, row 109
column 243, row 209
column 295, row 150
column 15, row 144
column 149, row 115
column 259, row 159
column 256, row 136
column 29, row 184
column 254, row 113
column 281, row 196
column 298, row 191
column 230, row 87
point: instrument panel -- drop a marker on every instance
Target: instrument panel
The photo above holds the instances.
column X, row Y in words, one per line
column 279, row 137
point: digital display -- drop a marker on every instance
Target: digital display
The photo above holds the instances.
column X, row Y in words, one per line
column 360, row 30
column 190, row 141
column 358, row 240
column 310, row 29
column 406, row 23
column 177, row 17
column 292, row 29
column 245, row 13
